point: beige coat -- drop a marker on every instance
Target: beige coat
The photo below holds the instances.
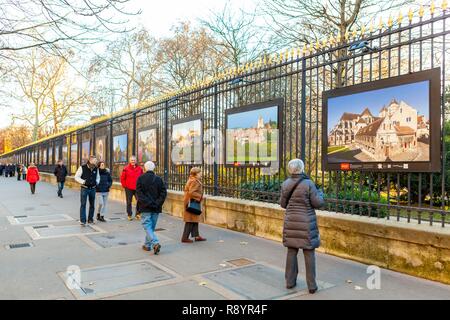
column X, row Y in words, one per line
column 192, row 190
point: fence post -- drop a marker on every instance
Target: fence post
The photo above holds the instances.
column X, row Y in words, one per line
column 111, row 149
column 166, row 143
column 134, row 134
column 303, row 113
column 216, row 146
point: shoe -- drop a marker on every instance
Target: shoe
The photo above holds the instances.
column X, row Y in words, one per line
column 199, row 239
column 157, row 248
column 61, row 196
column 130, row 218
column 83, row 224
column 187, row 241
column 138, row 217
column 291, row 286
column 312, row 291
column 91, row 222
column 145, row 248
column 101, row 219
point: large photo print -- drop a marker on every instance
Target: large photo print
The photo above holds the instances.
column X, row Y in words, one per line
column 252, row 136
column 120, row 145
column 386, row 124
column 147, row 145
column 187, row 142
column 391, row 124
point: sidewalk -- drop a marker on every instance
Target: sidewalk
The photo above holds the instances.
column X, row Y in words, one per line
column 229, row 265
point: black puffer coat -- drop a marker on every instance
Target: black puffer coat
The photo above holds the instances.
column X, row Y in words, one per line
column 105, row 181
column 300, row 223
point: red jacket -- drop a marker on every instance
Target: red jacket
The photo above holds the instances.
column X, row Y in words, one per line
column 33, row 175
column 129, row 176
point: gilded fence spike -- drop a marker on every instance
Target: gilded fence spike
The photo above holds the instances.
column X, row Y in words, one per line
column 363, row 30
column 410, row 15
column 400, row 17
column 421, row 11
column 354, row 33
column 444, row 5
column 432, row 7
column 390, row 22
column 372, row 27
column 380, row 24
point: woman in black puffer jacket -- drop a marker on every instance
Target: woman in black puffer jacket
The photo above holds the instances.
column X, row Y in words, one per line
column 103, row 190
column 299, row 196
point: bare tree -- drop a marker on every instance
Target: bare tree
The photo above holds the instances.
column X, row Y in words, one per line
column 188, row 56
column 48, row 95
column 46, row 23
column 239, row 38
column 131, row 65
column 296, row 22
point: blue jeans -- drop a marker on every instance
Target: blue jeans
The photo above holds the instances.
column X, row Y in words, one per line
column 149, row 221
column 60, row 187
column 85, row 195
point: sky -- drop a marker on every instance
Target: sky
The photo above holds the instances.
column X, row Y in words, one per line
column 416, row 95
column 250, row 119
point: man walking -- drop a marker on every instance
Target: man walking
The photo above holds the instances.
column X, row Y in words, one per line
column 151, row 193
column 88, row 176
column 61, row 173
column 128, row 179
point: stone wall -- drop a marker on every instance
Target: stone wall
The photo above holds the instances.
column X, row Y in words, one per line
column 418, row 250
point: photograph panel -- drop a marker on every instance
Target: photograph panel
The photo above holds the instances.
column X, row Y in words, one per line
column 120, row 146
column 187, row 142
column 147, row 145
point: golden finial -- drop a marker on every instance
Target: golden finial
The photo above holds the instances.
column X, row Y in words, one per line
column 305, row 48
column 421, row 11
column 324, row 43
column 363, row 30
column 317, row 45
column 432, row 7
column 400, row 17
column 390, row 22
column 338, row 37
column 444, row 5
column 380, row 24
column 346, row 35
column 281, row 56
column 410, row 15
column 354, row 33
column 372, row 27
column 292, row 53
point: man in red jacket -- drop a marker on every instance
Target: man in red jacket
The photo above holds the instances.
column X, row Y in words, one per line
column 128, row 179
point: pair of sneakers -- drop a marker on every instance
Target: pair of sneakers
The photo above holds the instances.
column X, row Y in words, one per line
column 156, row 248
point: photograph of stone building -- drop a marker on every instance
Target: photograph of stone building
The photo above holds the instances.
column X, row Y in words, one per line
column 395, row 131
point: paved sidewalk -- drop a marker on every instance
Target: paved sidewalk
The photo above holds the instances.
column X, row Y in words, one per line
column 229, row 265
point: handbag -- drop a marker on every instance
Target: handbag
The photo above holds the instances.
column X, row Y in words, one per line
column 194, row 207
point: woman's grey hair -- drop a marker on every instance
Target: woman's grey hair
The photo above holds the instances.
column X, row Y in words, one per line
column 296, row 166
column 149, row 166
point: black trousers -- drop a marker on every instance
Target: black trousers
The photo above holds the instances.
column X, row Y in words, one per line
column 33, row 187
column 129, row 196
column 292, row 267
column 190, row 229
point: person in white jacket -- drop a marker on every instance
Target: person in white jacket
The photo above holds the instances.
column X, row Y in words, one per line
column 88, row 177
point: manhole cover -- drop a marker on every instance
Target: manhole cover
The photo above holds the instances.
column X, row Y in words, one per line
column 258, row 282
column 61, row 231
column 39, row 219
column 119, row 213
column 29, row 209
column 123, row 243
column 109, row 280
column 123, row 239
column 240, row 262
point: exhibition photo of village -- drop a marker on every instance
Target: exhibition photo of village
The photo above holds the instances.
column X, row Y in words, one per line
column 226, row 158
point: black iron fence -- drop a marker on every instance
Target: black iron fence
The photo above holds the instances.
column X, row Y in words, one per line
column 299, row 77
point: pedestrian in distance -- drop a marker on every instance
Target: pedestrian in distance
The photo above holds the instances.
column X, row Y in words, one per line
column 88, row 177
column 128, row 179
column 60, row 173
column 300, row 198
column 2, row 169
column 24, row 172
column 33, row 177
column 151, row 193
column 193, row 196
column 103, row 190
column 19, row 172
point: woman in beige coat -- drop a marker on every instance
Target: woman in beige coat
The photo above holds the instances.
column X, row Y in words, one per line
column 192, row 190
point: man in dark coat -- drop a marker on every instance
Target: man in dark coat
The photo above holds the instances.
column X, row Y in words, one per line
column 151, row 193
column 61, row 173
column 299, row 196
